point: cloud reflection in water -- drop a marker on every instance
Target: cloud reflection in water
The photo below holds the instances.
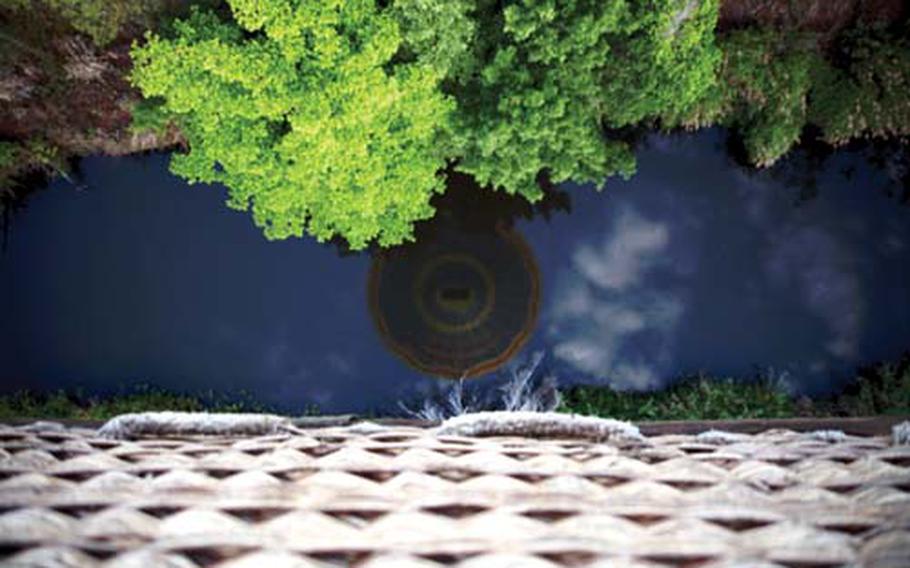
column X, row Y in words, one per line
column 604, row 306
column 696, row 266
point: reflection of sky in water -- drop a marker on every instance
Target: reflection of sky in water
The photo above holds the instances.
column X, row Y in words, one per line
column 689, row 266
column 693, row 265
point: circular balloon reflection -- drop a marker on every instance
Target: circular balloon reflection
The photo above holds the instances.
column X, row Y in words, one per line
column 457, row 303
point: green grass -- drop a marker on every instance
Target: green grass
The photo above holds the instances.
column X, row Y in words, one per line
column 698, row 398
column 63, row 405
column 878, row 389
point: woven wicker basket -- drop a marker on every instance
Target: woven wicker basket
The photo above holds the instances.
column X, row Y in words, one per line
column 399, row 496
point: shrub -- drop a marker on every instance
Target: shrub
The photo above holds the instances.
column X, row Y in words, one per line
column 773, row 83
column 761, row 92
column 868, row 96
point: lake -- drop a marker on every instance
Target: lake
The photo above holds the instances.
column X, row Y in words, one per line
column 131, row 276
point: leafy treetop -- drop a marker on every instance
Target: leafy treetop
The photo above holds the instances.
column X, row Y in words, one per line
column 302, row 114
column 556, row 75
column 335, row 117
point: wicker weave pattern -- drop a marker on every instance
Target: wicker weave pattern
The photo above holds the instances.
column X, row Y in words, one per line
column 403, row 497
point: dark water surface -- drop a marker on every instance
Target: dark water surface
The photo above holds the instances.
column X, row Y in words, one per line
column 692, row 265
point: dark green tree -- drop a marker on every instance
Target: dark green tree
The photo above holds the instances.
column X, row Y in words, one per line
column 552, row 76
column 336, row 117
column 762, row 92
column 868, row 95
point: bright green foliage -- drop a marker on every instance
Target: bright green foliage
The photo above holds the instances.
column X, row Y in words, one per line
column 334, row 117
column 552, row 74
column 305, row 119
column 762, row 92
column 869, row 97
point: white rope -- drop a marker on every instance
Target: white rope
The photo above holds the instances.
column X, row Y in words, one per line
column 194, row 424
column 538, row 425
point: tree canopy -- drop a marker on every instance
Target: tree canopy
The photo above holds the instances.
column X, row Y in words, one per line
column 337, row 117
column 299, row 109
column 558, row 76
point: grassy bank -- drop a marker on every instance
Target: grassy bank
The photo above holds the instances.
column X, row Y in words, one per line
column 74, row 406
column 878, row 389
column 697, row 398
